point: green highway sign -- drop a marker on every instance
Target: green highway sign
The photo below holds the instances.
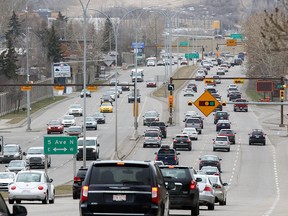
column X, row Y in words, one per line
column 60, row 145
column 184, row 44
column 191, row 55
column 236, row 36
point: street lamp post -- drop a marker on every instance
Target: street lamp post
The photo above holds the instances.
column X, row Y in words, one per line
column 27, row 70
column 84, row 9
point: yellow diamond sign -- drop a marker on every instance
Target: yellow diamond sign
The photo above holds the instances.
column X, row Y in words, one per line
column 206, row 103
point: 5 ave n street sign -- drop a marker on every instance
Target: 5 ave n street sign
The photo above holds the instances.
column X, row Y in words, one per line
column 60, row 145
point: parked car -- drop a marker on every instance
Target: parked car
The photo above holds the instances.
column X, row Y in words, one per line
column 206, row 191
column 55, row 126
column 5, row 179
column 31, row 185
column 186, row 193
column 140, row 181
column 257, row 136
column 210, row 160
column 35, row 157
column 182, row 141
column 220, row 190
column 76, row 130
column 11, row 151
column 168, row 155
column 17, row 166
column 77, row 182
column 221, row 142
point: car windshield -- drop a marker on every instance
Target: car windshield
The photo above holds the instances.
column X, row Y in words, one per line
column 74, row 129
column 90, row 119
column 257, row 132
column 150, row 114
column 54, row 122
column 222, row 114
column 98, row 115
column 6, row 175
column 213, row 179
column 35, row 151
column 106, row 104
column 75, row 106
column 68, row 117
column 226, row 132
column 28, row 177
column 165, row 151
column 16, row 163
column 175, row 173
column 210, row 157
column 10, row 149
column 151, row 134
column 189, row 130
column 221, row 138
column 88, row 142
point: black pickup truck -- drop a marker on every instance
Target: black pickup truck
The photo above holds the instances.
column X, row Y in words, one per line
column 162, row 126
column 168, row 156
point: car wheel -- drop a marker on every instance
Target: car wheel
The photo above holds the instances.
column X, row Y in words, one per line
column 52, row 200
column 48, row 132
column 95, row 128
column 11, row 201
column 195, row 210
column 211, row 206
column 221, row 202
column 234, row 110
column 44, row 201
column 250, row 143
column 190, row 148
column 200, row 132
column 264, row 143
column 228, row 149
column 214, row 149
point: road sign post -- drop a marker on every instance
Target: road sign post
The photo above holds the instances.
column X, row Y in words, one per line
column 206, row 103
column 60, row 145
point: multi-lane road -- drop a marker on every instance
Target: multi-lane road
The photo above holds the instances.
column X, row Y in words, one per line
column 256, row 174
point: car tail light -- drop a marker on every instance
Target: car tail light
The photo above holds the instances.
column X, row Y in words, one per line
column 165, row 128
column 77, row 179
column 175, row 158
column 84, row 193
column 208, row 188
column 159, row 138
column 40, row 187
column 218, row 186
column 188, row 141
column 156, row 158
column 193, row 185
column 175, row 141
column 13, row 187
column 155, row 195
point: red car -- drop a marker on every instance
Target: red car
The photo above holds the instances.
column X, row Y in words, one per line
column 151, row 83
column 229, row 133
column 55, row 126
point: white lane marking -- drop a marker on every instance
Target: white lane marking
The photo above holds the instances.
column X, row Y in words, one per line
column 273, row 206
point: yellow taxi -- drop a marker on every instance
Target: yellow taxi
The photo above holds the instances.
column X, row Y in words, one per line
column 106, row 108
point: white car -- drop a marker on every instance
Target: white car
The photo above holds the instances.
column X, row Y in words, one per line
column 221, row 142
column 151, row 63
column 31, row 185
column 188, row 92
column 68, row 120
column 191, row 132
column 5, row 179
column 75, row 109
column 35, row 157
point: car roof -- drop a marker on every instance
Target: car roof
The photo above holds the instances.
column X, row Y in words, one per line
column 223, row 121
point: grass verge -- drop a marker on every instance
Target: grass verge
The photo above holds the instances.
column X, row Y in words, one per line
column 15, row 117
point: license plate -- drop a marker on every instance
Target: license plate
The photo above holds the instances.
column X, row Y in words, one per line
column 119, row 197
column 26, row 191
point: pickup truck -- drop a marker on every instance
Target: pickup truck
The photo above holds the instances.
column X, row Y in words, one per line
column 168, row 156
column 240, row 107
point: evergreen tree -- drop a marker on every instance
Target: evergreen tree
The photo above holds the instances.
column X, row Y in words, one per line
column 10, row 60
column 54, row 46
column 60, row 25
column 108, row 37
column 14, row 27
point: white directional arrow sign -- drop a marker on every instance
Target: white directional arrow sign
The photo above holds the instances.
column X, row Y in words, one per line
column 60, row 149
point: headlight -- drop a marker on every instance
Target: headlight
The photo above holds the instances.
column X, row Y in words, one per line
column 16, row 155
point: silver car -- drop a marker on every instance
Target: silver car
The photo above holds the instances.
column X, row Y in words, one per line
column 91, row 122
column 17, row 166
column 152, row 138
column 206, row 195
column 220, row 190
column 31, row 185
column 221, row 142
column 5, row 179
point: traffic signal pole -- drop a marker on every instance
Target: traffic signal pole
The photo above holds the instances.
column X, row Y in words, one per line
column 282, row 98
column 170, row 102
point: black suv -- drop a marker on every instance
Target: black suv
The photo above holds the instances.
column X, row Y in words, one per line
column 11, row 152
column 113, row 187
column 77, row 183
column 223, row 115
column 167, row 155
column 162, row 126
column 257, row 136
column 186, row 192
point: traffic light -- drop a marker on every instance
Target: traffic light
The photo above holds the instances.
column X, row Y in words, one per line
column 206, row 103
column 282, row 95
column 223, row 103
column 190, row 103
column 238, row 81
column 171, row 101
column 170, row 87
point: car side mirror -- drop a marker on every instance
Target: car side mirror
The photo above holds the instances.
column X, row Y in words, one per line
column 178, row 153
column 225, row 184
column 50, row 180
